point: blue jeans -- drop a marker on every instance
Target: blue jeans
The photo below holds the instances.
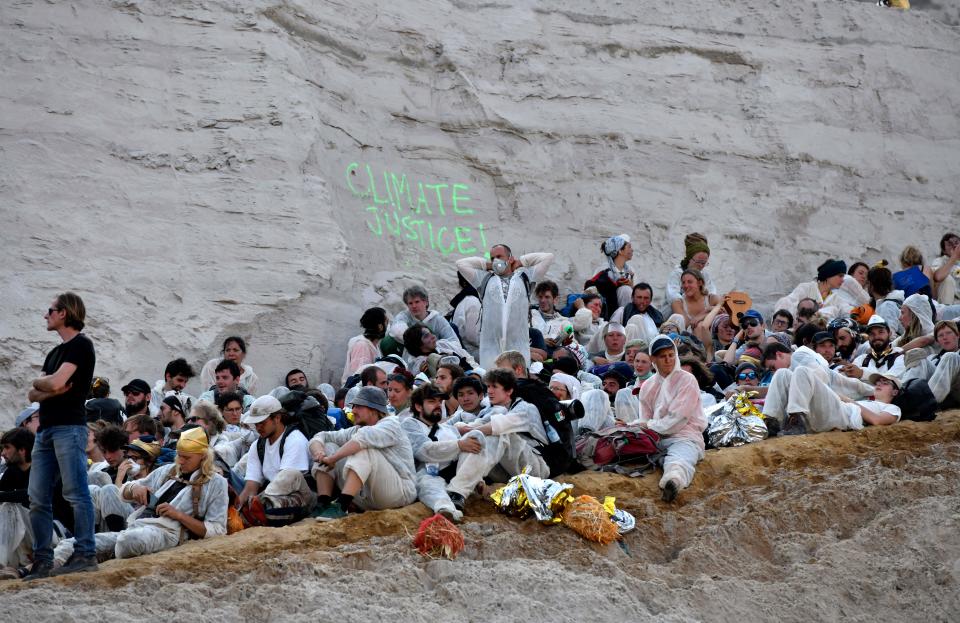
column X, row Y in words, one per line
column 60, row 451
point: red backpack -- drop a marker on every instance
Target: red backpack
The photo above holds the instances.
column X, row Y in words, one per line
column 617, row 445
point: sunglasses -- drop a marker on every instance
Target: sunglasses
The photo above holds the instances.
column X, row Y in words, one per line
column 743, row 376
column 51, row 310
column 192, row 419
column 750, row 322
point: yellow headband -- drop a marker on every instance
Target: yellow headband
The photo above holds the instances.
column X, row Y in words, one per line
column 193, row 441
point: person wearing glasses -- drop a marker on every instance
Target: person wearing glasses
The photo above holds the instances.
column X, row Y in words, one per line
column 29, row 418
column 782, row 321
column 59, row 451
column 751, row 333
column 136, row 398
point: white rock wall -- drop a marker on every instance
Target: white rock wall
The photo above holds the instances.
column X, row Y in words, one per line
column 197, row 169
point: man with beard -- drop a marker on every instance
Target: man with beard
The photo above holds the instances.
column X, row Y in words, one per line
column 173, row 414
column 825, row 344
column 136, row 396
column 846, row 335
column 175, row 378
column 371, row 463
column 882, row 357
column 437, row 449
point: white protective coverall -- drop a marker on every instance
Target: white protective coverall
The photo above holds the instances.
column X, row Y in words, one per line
column 671, row 407
column 466, row 316
column 803, row 391
column 433, row 456
column 434, row 321
column 155, row 534
column 505, row 319
column 511, row 446
column 385, row 465
column 16, row 535
column 361, row 352
column 597, row 413
column 837, row 304
column 919, row 304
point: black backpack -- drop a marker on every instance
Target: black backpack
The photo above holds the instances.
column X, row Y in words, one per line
column 560, row 455
column 305, row 414
column 916, row 401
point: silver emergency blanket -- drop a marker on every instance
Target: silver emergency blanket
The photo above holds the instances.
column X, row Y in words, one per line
column 524, row 494
column 735, row 422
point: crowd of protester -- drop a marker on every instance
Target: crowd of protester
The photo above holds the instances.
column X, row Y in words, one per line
column 432, row 405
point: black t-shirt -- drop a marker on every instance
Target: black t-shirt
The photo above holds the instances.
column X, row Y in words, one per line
column 13, row 486
column 67, row 408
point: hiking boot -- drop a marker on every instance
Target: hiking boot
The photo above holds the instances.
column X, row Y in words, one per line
column 670, row 490
column 458, row 500
column 39, row 569
column 76, row 564
column 330, row 513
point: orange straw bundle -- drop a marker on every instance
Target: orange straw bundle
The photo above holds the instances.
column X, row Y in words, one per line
column 588, row 518
column 437, row 536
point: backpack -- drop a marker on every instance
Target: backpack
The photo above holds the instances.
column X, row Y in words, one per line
column 262, row 443
column 305, row 414
column 916, row 401
column 559, row 454
column 482, row 290
column 617, row 445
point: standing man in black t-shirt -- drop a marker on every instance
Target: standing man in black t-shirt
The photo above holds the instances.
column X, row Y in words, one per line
column 59, row 452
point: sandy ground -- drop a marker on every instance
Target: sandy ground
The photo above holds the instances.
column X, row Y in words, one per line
column 860, row 526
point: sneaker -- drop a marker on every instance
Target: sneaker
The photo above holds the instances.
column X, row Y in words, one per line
column 39, row 569
column 458, row 500
column 330, row 513
column 670, row 491
column 76, row 564
column 454, row 516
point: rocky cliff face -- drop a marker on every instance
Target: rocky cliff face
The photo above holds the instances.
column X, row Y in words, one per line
column 201, row 168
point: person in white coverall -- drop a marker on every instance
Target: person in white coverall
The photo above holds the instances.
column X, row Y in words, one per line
column 670, row 406
column 437, row 449
column 371, row 463
column 503, row 284
column 183, row 500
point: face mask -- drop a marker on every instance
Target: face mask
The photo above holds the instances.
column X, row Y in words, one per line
column 499, row 266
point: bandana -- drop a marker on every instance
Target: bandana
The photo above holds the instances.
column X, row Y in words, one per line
column 193, row 441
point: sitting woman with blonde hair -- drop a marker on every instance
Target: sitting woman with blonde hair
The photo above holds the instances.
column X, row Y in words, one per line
column 183, row 500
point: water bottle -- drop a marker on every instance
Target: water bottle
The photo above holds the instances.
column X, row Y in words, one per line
column 433, row 469
column 551, row 433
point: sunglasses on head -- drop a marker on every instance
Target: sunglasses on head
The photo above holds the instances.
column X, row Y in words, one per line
column 743, row 376
column 750, row 322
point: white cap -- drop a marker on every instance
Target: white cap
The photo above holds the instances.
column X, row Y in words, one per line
column 261, row 408
column 877, row 321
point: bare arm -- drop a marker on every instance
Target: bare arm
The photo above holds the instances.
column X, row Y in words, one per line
column 58, row 382
column 941, row 273
column 918, row 342
column 877, row 419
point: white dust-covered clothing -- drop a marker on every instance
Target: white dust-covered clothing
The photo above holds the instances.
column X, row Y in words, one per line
column 837, row 304
column 466, row 316
column 869, row 364
column 626, row 405
column 230, row 450
column 597, row 414
column 673, row 292
column 208, row 376
column 919, row 304
column 522, row 417
column 802, row 391
column 806, row 357
column 585, row 326
column 432, row 493
column 385, row 465
column 444, row 347
column 550, row 325
column 16, row 535
column 510, row 451
column 426, row 451
column 434, row 321
column 572, row 383
column 505, row 323
column 107, row 501
column 639, row 327
column 96, row 474
column 295, row 457
column 888, row 308
column 361, row 352
column 466, row 417
column 945, row 380
column 671, row 406
column 948, row 290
